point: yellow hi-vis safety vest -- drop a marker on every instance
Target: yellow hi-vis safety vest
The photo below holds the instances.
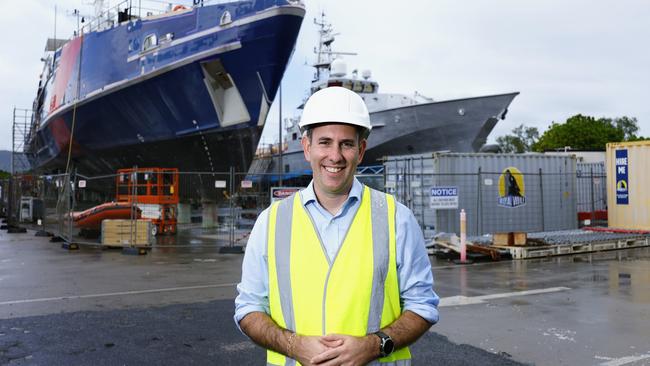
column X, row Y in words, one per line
column 356, row 293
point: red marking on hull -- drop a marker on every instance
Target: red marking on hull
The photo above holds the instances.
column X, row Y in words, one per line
column 67, row 61
column 61, row 135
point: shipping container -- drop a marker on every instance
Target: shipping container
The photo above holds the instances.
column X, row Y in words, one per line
column 499, row 192
column 628, row 174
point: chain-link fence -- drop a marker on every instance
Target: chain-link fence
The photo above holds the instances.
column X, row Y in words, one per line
column 499, row 193
column 167, row 208
column 143, row 206
column 592, row 193
column 543, row 202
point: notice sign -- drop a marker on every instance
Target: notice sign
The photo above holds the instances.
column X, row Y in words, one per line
column 622, row 188
column 444, row 198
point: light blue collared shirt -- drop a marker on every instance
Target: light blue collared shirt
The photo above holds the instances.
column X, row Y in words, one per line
column 413, row 266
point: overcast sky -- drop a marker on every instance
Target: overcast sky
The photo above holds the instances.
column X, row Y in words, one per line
column 565, row 57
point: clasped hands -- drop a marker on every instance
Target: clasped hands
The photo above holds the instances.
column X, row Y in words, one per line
column 336, row 350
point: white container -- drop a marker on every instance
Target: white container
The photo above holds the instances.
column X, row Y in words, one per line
column 628, row 195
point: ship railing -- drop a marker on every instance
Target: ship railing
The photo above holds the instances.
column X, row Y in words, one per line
column 114, row 13
column 214, row 2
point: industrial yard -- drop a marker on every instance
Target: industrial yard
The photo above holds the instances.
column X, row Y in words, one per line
column 175, row 306
column 530, row 266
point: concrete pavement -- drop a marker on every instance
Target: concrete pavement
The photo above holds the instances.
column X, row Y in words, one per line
column 174, row 306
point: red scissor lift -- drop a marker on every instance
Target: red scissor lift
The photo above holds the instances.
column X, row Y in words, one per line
column 154, row 191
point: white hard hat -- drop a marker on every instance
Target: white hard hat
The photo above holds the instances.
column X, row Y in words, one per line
column 335, row 104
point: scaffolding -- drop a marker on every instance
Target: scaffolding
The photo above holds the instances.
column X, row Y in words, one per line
column 21, row 128
column 20, row 137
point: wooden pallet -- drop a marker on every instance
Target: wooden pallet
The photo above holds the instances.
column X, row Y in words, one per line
column 510, row 238
column 121, row 233
column 480, row 252
column 527, row 252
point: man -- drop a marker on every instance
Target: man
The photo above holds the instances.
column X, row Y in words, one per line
column 338, row 273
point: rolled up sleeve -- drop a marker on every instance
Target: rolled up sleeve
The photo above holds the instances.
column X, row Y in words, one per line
column 413, row 267
column 253, row 290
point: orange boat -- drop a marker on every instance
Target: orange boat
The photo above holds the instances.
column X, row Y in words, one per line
column 92, row 218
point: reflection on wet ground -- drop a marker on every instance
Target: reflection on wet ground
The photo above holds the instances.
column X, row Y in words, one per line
column 197, row 236
column 192, row 237
column 587, row 309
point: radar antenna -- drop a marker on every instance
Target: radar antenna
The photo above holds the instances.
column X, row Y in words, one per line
column 324, row 53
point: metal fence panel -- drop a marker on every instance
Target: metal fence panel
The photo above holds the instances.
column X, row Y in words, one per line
column 545, row 196
column 592, row 187
column 219, row 209
column 212, row 209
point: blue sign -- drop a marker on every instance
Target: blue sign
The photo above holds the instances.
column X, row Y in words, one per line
column 622, row 188
column 444, row 191
column 444, row 198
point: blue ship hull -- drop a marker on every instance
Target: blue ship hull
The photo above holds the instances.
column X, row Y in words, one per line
column 196, row 101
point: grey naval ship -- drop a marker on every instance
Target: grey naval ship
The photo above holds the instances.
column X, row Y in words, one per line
column 401, row 124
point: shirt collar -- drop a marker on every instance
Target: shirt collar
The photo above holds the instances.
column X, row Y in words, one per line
column 308, row 195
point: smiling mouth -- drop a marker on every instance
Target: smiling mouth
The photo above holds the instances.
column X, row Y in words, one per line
column 332, row 169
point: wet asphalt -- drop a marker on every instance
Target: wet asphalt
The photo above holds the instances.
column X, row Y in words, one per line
column 188, row 334
column 174, row 306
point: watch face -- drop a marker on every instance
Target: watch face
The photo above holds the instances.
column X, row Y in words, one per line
column 388, row 346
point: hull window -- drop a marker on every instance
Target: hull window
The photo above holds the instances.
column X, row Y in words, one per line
column 150, row 42
column 226, row 18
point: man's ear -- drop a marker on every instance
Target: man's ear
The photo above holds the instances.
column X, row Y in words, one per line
column 306, row 144
column 362, row 148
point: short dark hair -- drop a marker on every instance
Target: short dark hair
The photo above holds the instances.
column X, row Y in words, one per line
column 362, row 133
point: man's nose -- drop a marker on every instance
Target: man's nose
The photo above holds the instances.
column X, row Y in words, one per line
column 336, row 154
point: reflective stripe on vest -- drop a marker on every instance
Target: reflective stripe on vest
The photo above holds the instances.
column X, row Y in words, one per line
column 356, row 293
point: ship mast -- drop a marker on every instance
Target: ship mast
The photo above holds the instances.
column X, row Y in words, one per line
column 324, row 53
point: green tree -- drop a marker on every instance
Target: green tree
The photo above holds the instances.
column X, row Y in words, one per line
column 587, row 133
column 521, row 140
column 629, row 127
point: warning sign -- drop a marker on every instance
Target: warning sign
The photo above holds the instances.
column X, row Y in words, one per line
column 279, row 193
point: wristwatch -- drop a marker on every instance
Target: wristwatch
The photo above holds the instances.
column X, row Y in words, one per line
column 387, row 346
